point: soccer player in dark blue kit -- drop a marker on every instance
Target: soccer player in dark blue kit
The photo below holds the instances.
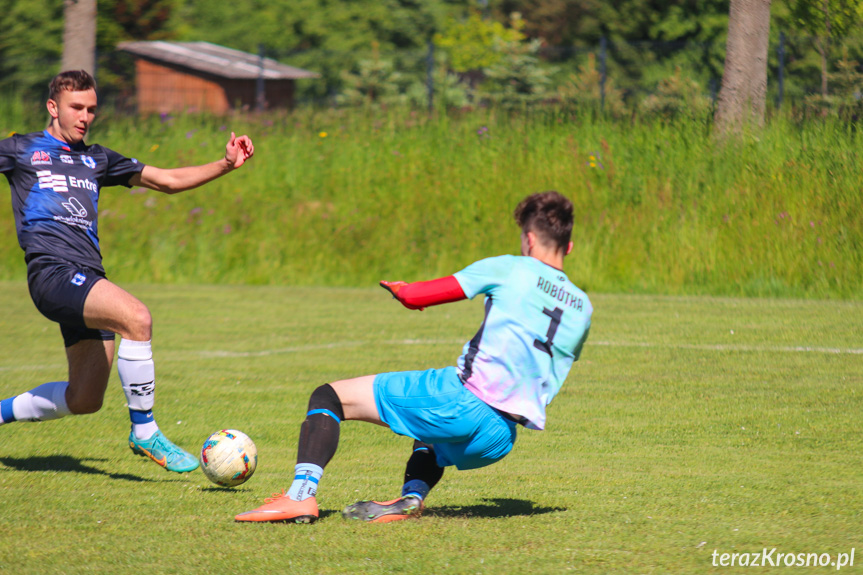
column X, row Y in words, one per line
column 55, row 179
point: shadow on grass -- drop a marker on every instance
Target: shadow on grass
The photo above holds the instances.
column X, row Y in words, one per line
column 63, row 463
column 493, row 508
column 220, row 489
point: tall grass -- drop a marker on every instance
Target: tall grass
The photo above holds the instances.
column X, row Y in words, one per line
column 349, row 197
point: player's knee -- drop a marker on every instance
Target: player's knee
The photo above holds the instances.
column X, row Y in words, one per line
column 140, row 323
column 325, row 399
column 82, row 405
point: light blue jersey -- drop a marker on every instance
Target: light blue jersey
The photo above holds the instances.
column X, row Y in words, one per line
column 536, row 322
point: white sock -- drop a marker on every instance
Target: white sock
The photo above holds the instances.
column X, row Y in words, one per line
column 138, row 376
column 306, row 478
column 48, row 401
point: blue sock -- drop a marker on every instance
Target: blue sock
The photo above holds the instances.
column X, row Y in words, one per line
column 143, row 424
column 416, row 488
column 6, row 413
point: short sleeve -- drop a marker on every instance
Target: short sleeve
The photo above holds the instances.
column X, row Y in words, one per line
column 484, row 275
column 8, row 149
column 120, row 169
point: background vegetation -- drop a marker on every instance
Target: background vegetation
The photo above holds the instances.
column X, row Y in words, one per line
column 646, row 43
column 349, row 197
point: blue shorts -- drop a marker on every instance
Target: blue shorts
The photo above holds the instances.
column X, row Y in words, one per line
column 59, row 289
column 434, row 407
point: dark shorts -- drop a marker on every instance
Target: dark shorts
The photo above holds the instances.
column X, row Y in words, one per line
column 59, row 289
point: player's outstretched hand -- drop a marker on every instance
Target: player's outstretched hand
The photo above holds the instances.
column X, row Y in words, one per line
column 394, row 288
column 239, row 150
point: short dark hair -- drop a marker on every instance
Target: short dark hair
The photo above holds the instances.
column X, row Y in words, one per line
column 548, row 215
column 70, row 81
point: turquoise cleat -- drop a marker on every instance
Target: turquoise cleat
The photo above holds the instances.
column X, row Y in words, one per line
column 160, row 449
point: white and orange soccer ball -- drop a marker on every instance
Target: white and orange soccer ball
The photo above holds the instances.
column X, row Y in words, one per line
column 229, row 458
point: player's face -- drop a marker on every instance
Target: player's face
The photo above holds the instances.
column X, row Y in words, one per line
column 71, row 115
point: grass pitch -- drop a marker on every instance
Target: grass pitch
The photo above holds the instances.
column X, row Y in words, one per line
column 691, row 425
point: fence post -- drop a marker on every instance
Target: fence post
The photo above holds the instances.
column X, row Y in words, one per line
column 260, row 96
column 603, row 54
column 781, row 55
column 430, row 75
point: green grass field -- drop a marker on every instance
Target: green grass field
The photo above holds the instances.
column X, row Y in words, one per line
column 691, row 425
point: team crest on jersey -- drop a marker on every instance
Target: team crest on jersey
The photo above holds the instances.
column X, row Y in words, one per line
column 88, row 161
column 66, row 159
column 79, row 279
column 40, row 158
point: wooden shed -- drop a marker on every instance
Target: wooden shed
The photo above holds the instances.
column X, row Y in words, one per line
column 199, row 76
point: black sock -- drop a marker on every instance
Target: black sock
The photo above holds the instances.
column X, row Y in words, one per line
column 422, row 471
column 319, row 433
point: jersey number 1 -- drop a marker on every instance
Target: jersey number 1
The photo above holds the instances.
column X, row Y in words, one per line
column 556, row 314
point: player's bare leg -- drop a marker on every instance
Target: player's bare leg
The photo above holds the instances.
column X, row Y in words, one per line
column 112, row 308
column 357, row 397
column 89, row 368
column 90, row 363
column 109, row 307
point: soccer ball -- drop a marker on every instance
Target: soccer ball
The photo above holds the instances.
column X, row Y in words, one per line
column 229, row 458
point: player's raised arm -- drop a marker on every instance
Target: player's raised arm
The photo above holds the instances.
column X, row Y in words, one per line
column 420, row 295
column 171, row 181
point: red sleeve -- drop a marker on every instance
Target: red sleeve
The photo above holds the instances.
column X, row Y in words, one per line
column 420, row 295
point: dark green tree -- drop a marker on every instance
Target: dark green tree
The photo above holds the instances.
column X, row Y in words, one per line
column 326, row 36
column 827, row 21
column 32, row 40
column 647, row 39
column 30, row 45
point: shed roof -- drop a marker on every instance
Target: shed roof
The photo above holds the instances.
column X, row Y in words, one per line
column 215, row 59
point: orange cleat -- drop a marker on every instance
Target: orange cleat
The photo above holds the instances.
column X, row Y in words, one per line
column 280, row 507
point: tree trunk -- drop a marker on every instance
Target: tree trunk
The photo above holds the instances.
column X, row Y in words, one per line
column 822, row 50
column 743, row 95
column 824, row 47
column 79, row 35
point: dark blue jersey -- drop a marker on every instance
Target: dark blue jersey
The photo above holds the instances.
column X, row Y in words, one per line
column 55, row 193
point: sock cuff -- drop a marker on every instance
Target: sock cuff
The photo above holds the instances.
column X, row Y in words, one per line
column 325, row 412
column 303, row 469
column 135, row 350
column 7, row 414
column 417, row 488
column 138, row 416
column 59, row 398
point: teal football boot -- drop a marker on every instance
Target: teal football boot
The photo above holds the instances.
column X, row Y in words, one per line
column 160, row 449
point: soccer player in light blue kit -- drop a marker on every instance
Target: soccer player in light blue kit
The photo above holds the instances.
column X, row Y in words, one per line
column 536, row 323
